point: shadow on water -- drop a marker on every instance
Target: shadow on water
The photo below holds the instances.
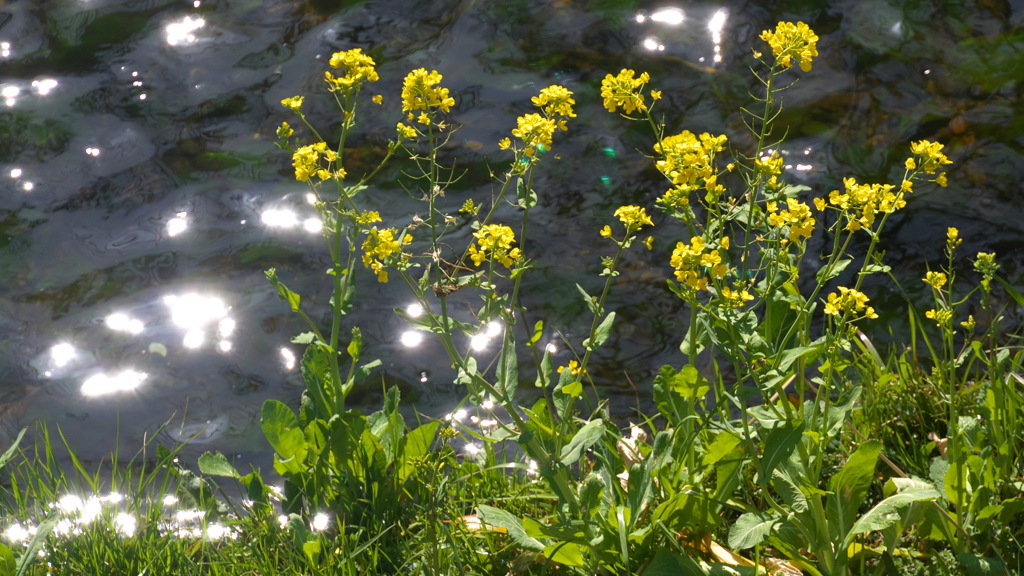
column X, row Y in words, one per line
column 138, row 170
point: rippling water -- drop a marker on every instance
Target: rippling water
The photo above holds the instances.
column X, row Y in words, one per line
column 141, row 196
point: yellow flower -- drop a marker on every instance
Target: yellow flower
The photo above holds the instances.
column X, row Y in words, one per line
column 495, row 242
column 724, row 243
column 770, row 165
column 306, row 161
column 504, row 144
column 284, row 131
column 819, row 203
column 931, row 156
column 862, row 202
column 952, row 238
column 359, row 68
column 688, row 162
column 573, row 368
column 649, row 242
column 735, row 298
column 790, row 41
column 969, row 324
column 294, row 103
column 941, row 180
column 941, row 317
column 624, row 90
column 797, row 217
column 634, row 217
column 406, row 132
column 380, row 248
column 555, row 100
column 377, row 99
column 848, row 301
column 985, row 264
column 419, row 92
column 691, row 261
column 368, row 217
column 910, row 164
column 935, row 279
column 655, row 94
column 423, row 119
column 534, row 130
column 606, row 231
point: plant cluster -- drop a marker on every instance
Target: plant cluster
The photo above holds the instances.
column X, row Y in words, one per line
column 776, row 456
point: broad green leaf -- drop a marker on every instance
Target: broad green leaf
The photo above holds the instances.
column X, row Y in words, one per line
column 565, row 553
column 281, row 428
column 570, row 532
column 849, row 487
column 31, row 554
column 723, row 445
column 887, row 512
column 526, row 197
column 216, row 464
column 312, row 550
column 602, row 332
column 316, row 372
column 590, row 301
column 590, row 433
column 507, row 372
column 417, row 445
column 544, row 370
column 502, row 519
column 7, row 562
column 824, row 274
column 751, row 529
column 778, row 445
column 356, row 345
column 688, row 383
column 667, row 564
column 304, row 338
column 574, row 388
column 788, row 357
column 981, row 565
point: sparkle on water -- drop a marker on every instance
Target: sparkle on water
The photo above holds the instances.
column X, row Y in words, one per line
column 181, row 31
column 102, row 384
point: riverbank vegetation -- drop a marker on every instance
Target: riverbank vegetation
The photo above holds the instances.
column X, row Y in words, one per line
column 784, row 440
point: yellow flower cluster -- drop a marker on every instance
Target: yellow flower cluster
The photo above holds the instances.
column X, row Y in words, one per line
column 573, row 368
column 285, row 131
column 735, row 298
column 406, row 132
column 797, row 216
column 849, row 301
column 495, row 242
column 634, row 217
column 690, row 262
column 379, row 247
column 535, row 130
column 359, row 68
column 368, row 217
column 790, row 41
column 419, row 92
column 294, row 103
column 935, row 279
column 556, row 100
column 941, row 317
column 930, row 156
column 863, row 202
column 306, row 161
column 688, row 162
column 624, row 90
column 952, row 238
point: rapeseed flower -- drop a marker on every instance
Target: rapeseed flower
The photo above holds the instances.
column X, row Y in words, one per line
column 952, row 238
column 797, row 216
column 573, row 368
column 941, row 317
column 294, row 103
column 284, row 131
column 789, row 41
column 534, row 130
column 634, row 217
column 624, row 90
column 734, row 298
column 934, row 279
column 406, row 132
column 930, row 155
column 688, row 162
column 849, row 301
column 306, row 161
column 862, row 202
column 691, row 261
column 555, row 100
column 495, row 242
column 359, row 68
column 380, row 248
column 419, row 92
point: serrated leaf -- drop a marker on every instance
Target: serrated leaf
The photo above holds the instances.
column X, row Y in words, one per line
column 751, row 529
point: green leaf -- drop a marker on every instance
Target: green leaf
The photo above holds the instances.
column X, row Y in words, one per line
column 981, row 565
column 887, row 512
column 574, row 388
column 417, row 445
column 788, row 357
column 724, row 444
column 31, row 554
column 502, row 519
column 778, row 445
column 356, row 345
column 312, row 550
column 7, row 562
column 585, row 437
column 603, row 330
column 538, row 332
column 565, row 553
column 281, row 428
column 316, row 372
column 304, row 338
column 849, row 487
column 590, row 301
column 667, row 564
column 751, row 529
column 527, row 198
column 507, row 372
column 824, row 274
column 9, row 453
column 216, row 464
column 688, row 383
column 544, row 370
